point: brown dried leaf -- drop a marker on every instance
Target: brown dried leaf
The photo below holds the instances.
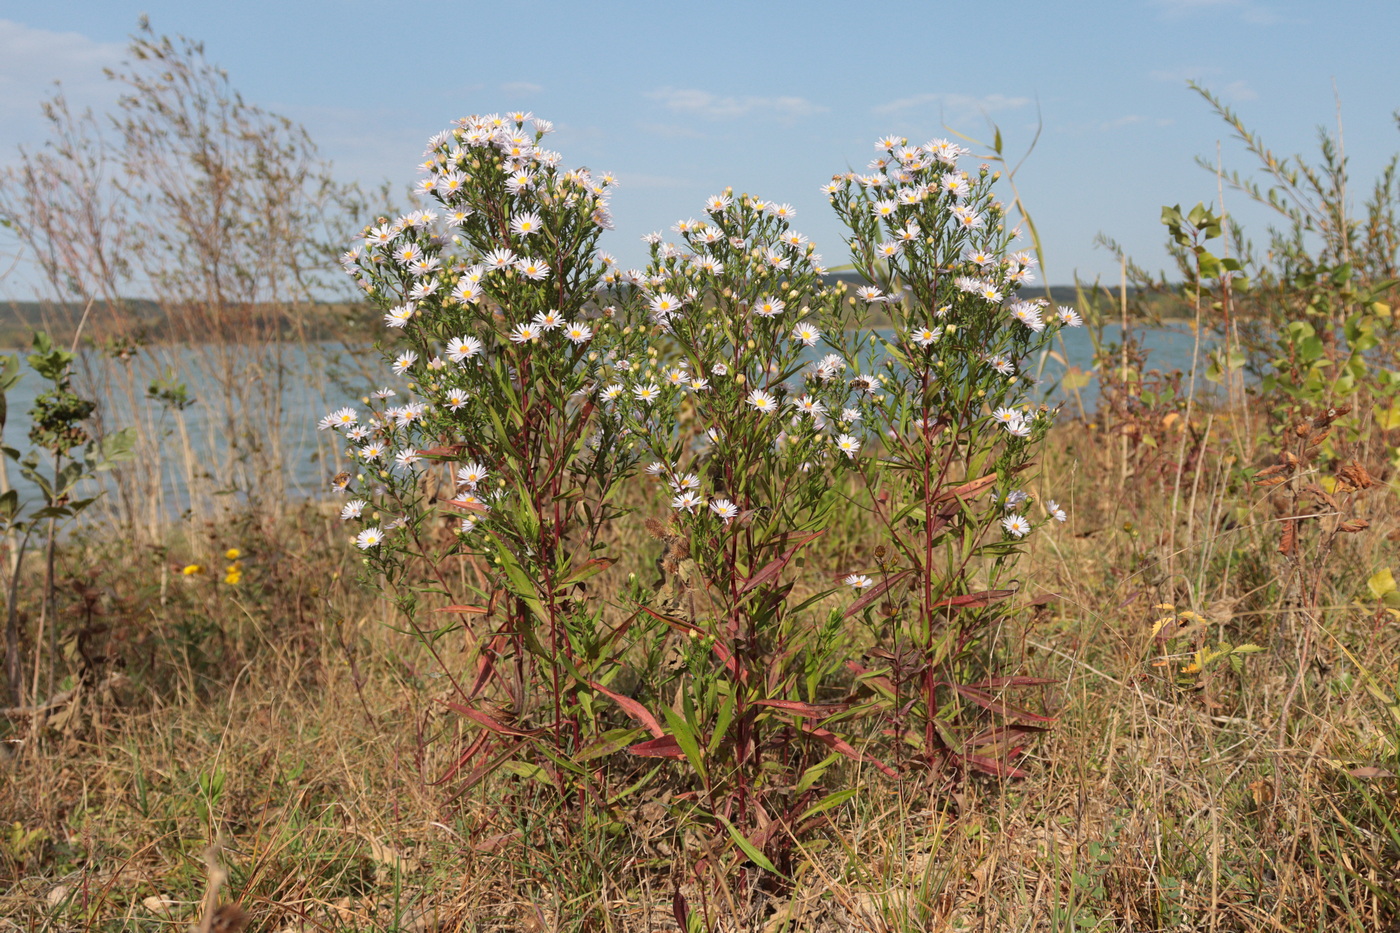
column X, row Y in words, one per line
column 1288, row 540
column 965, row 490
column 1354, row 525
column 1355, row 476
column 1325, row 419
column 1321, row 495
column 1370, row 771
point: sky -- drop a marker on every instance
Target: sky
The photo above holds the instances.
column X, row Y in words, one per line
column 772, row 98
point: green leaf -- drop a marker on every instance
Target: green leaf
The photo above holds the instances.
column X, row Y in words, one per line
column 527, row 771
column 748, row 848
column 722, row 721
column 686, row 739
column 9, row 504
column 814, row 774
column 10, row 372
column 829, row 801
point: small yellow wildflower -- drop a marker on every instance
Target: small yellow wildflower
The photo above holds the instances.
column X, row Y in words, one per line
column 233, row 553
column 193, row 569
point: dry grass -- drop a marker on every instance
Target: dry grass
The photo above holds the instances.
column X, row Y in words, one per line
column 288, row 722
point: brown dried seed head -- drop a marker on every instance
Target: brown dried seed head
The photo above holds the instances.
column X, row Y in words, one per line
column 679, row 549
column 229, row 918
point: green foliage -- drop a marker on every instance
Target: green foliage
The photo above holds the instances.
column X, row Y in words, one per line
column 1324, row 333
column 59, row 417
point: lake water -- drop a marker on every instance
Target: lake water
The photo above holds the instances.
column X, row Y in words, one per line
column 272, row 416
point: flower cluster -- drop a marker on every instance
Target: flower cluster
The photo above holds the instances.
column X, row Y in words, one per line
column 932, row 238
column 487, row 291
column 742, row 305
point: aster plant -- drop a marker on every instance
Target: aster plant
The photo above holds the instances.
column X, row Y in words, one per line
column 956, row 435
column 484, row 471
column 753, row 450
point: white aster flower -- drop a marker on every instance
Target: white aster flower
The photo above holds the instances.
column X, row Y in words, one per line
column 1016, row 525
column 762, row 401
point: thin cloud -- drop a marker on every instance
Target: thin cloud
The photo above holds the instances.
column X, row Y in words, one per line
column 520, row 87
column 1119, row 122
column 670, row 131
column 31, row 60
column 1183, row 73
column 716, row 107
column 955, row 105
column 1239, row 92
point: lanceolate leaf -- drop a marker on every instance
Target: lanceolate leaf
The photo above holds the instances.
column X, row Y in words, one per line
column 876, row 591
column 810, row 710
column 974, row 600
column 773, row 567
column 634, row 709
column 997, row 705
column 966, row 490
column 495, row 725
column 838, row 744
column 664, row 747
column 993, row 767
column 587, row 569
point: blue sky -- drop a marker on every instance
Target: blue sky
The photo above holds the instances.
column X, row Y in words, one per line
column 681, row 100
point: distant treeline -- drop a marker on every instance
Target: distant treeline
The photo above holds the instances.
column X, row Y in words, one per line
column 143, row 320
